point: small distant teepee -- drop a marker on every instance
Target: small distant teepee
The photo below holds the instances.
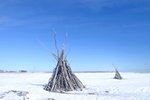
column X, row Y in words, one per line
column 117, row 74
column 63, row 79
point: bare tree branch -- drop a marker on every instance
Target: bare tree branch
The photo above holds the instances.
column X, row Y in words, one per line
column 114, row 67
column 46, row 48
column 56, row 44
column 65, row 41
column 55, row 56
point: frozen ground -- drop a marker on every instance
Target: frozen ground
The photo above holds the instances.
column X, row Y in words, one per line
column 99, row 86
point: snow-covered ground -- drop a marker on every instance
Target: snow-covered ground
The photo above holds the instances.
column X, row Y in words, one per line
column 99, row 86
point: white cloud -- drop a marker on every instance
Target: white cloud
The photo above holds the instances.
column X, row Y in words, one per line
column 100, row 4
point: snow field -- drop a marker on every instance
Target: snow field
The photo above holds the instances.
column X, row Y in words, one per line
column 99, row 86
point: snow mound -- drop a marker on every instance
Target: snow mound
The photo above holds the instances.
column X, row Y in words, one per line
column 46, row 99
column 14, row 95
column 143, row 90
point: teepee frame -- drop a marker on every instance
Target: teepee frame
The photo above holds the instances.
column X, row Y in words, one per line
column 63, row 79
column 117, row 75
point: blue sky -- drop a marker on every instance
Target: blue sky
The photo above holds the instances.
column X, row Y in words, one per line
column 100, row 33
